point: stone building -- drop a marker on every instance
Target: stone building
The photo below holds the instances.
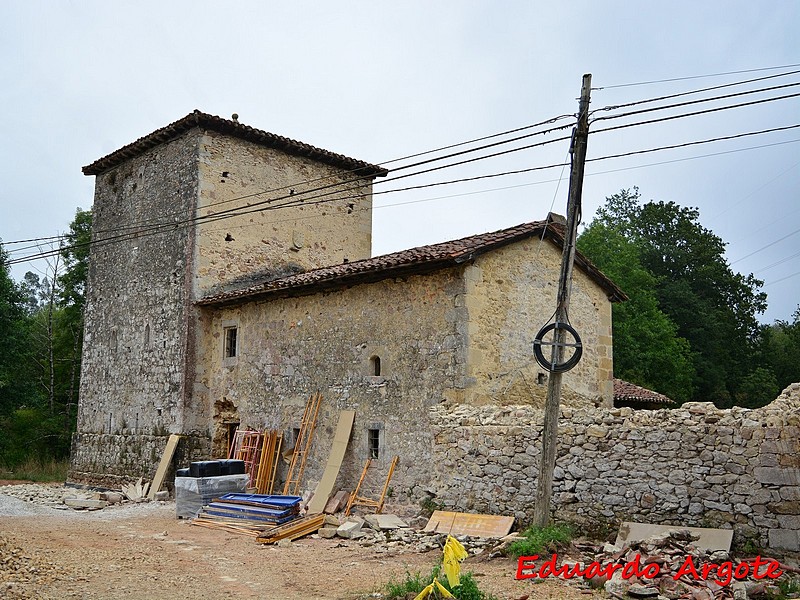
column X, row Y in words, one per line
column 231, row 277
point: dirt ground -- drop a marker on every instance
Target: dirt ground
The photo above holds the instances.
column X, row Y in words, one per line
column 143, row 551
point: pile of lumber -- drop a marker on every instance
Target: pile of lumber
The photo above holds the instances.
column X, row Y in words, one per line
column 249, row 514
column 292, row 530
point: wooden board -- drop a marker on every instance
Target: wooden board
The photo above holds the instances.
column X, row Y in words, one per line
column 487, row 526
column 166, row 459
column 340, row 441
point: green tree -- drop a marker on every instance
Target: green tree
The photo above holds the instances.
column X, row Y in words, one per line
column 778, row 349
column 647, row 348
column 714, row 309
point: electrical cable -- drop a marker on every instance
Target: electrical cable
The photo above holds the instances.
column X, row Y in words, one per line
column 694, row 114
column 700, row 101
column 218, row 216
column 788, row 235
column 690, row 92
column 621, row 85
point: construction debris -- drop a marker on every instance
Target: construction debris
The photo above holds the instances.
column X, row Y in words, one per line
column 136, row 492
column 337, row 503
column 85, row 503
column 678, row 564
column 707, row 538
column 292, row 530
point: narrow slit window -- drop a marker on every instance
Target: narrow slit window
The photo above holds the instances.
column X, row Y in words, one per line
column 374, row 443
column 230, row 342
column 375, row 366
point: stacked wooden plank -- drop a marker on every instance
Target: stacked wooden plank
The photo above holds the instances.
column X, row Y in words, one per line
column 292, row 530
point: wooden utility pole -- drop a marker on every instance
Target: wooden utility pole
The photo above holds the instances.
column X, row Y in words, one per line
column 544, row 487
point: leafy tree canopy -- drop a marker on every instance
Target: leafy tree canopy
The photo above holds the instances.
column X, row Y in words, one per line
column 713, row 308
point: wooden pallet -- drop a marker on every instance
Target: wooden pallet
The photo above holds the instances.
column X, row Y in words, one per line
column 356, row 500
column 302, row 445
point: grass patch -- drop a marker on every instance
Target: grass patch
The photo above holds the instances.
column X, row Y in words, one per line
column 33, row 469
column 413, row 584
column 788, row 588
column 541, row 540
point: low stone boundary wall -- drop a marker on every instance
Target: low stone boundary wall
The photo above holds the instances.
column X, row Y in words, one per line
column 696, row 465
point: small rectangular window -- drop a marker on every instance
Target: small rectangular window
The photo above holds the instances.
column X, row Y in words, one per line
column 230, row 342
column 374, row 443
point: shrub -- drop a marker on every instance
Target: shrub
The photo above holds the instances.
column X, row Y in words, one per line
column 541, row 540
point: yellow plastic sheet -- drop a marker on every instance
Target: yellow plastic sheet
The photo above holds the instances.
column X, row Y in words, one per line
column 429, row 589
column 454, row 553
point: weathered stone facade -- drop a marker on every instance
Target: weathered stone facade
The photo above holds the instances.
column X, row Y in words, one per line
column 459, row 333
column 696, row 465
column 155, row 252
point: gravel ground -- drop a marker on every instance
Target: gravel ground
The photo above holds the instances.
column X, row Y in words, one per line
column 142, row 551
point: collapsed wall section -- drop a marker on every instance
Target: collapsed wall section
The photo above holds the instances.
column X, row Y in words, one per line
column 692, row 466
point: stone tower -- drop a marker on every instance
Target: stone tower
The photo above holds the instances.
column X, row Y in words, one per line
column 204, row 204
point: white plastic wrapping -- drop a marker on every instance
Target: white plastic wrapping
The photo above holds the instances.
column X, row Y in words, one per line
column 193, row 493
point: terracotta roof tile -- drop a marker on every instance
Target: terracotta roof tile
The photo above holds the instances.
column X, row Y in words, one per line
column 422, row 259
column 235, row 129
column 630, row 392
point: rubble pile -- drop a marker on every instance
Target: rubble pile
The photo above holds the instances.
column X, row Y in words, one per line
column 680, row 570
column 19, row 572
column 61, row 497
column 368, row 533
column 51, row 495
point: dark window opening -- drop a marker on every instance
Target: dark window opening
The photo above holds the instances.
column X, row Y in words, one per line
column 541, row 378
column 230, row 342
column 375, row 365
column 374, row 443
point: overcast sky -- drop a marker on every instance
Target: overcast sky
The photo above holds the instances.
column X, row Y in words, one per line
column 382, row 80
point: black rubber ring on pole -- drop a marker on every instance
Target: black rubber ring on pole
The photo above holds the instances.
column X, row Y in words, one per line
column 562, row 367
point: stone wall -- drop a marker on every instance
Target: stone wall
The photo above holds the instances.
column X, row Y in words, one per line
column 134, row 351
column 510, row 296
column 696, row 465
column 112, row 460
column 288, row 233
column 290, row 348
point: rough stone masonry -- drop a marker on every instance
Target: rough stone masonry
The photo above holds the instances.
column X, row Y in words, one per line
column 694, row 466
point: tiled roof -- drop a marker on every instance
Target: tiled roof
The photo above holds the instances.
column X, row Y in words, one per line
column 423, row 259
column 235, row 129
column 628, row 392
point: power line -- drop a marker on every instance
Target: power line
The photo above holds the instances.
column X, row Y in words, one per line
column 695, row 143
column 292, row 199
column 690, row 92
column 788, row 235
column 696, row 113
column 621, row 85
column 782, row 279
column 753, row 193
column 321, row 199
column 778, row 262
column 701, row 100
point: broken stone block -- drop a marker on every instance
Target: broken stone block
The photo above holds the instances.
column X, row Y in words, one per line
column 327, row 533
column 331, row 521
column 349, row 530
column 637, row 590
